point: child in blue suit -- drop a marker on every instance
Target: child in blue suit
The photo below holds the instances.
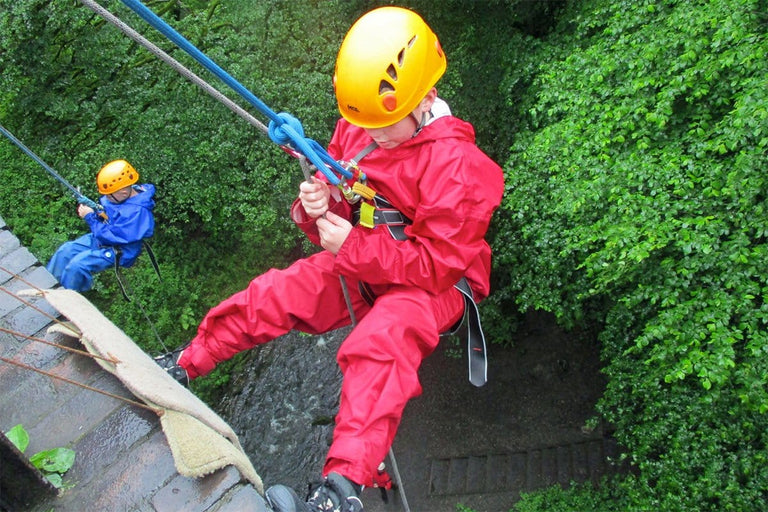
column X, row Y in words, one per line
column 129, row 219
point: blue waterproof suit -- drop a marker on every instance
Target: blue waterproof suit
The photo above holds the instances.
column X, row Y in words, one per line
column 129, row 222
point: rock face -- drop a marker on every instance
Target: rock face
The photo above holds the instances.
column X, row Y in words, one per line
column 283, row 406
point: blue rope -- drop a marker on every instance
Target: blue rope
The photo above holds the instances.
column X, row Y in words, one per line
column 284, row 129
column 80, row 197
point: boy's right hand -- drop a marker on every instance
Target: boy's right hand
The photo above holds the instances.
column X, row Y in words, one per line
column 83, row 210
column 314, row 197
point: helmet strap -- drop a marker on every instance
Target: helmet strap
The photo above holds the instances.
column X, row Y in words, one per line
column 421, row 123
column 114, row 200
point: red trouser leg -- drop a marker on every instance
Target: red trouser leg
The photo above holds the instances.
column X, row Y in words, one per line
column 380, row 360
column 306, row 296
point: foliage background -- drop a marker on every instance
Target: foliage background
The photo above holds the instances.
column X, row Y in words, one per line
column 633, row 135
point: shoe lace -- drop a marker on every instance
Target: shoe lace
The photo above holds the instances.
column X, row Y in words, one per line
column 168, row 363
column 329, row 497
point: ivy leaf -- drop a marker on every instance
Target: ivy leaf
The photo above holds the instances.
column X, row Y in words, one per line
column 19, row 437
column 56, row 460
column 55, row 479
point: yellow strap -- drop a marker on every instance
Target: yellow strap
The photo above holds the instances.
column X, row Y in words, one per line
column 363, row 191
column 366, row 214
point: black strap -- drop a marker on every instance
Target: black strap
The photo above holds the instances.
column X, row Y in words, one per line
column 366, row 292
column 389, row 216
column 119, row 275
column 476, row 347
column 386, row 215
column 152, row 258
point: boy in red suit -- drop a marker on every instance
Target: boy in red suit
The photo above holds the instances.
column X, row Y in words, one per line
column 440, row 192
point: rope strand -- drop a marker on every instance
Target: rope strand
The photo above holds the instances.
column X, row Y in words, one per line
column 395, row 470
column 282, row 123
column 81, row 385
column 138, row 38
column 58, row 345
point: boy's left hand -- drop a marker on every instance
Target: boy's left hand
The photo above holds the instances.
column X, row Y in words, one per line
column 334, row 230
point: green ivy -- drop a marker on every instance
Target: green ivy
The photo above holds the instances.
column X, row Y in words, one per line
column 52, row 463
column 640, row 188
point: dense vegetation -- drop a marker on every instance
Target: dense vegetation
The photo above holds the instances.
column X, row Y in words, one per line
column 634, row 136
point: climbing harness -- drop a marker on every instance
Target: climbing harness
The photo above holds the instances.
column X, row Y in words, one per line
column 377, row 211
column 384, row 214
column 81, row 199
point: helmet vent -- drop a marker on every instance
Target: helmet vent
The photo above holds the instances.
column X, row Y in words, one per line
column 385, row 86
column 392, row 72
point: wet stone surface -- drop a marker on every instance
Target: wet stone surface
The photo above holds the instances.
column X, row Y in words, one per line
column 283, row 407
column 123, row 461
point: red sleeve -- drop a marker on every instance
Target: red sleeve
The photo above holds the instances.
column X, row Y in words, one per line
column 447, row 236
column 338, row 204
column 308, row 225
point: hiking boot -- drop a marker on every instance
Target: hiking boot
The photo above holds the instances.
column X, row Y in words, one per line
column 334, row 494
column 284, row 499
column 169, row 363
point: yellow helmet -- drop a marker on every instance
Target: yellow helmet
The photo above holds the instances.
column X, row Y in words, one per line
column 116, row 175
column 387, row 63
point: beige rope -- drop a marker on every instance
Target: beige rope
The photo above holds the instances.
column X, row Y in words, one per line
column 81, row 385
column 174, row 64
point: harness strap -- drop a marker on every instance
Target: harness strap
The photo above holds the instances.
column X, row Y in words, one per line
column 383, row 213
column 476, row 346
column 152, row 258
column 119, row 274
column 362, row 154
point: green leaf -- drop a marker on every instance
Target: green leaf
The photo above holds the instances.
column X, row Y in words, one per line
column 19, row 437
column 56, row 460
column 55, row 479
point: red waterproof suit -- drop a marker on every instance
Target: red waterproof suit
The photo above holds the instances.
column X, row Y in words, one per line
column 449, row 189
